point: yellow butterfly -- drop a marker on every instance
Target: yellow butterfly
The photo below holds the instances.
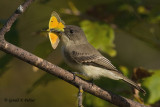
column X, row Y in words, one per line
column 57, row 24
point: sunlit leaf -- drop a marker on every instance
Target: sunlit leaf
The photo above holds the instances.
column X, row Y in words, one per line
column 142, row 10
column 101, row 36
column 124, row 70
column 153, row 85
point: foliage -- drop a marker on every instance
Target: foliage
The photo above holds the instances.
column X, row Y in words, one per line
column 101, row 36
column 153, row 87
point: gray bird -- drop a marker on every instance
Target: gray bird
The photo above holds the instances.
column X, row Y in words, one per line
column 81, row 55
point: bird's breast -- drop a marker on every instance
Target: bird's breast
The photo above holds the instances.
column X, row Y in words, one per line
column 68, row 59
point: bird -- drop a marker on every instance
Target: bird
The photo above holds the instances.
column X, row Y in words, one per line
column 79, row 54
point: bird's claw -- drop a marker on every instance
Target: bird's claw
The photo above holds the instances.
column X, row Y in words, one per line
column 92, row 83
column 74, row 75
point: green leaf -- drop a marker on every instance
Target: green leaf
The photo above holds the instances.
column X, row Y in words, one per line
column 153, row 85
column 101, row 36
column 124, row 70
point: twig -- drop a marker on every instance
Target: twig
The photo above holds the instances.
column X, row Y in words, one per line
column 80, row 96
column 57, row 71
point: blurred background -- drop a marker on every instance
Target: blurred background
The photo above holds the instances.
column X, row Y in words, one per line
column 126, row 32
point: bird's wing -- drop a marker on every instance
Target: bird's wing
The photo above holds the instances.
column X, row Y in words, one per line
column 95, row 59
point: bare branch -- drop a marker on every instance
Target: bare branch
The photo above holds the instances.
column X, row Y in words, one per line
column 57, row 71
column 15, row 15
column 80, row 96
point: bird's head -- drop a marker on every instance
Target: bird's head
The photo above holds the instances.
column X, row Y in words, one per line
column 72, row 35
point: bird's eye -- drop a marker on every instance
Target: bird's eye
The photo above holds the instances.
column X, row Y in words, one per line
column 71, row 31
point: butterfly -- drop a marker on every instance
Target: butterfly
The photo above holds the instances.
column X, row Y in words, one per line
column 55, row 23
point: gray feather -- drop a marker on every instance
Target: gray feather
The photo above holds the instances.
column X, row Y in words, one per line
column 90, row 56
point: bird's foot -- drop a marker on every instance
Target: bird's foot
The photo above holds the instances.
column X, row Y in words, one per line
column 92, row 83
column 75, row 74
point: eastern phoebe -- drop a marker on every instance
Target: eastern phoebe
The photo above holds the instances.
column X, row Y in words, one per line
column 81, row 55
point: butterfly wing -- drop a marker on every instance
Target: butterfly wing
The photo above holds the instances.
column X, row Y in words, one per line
column 54, row 40
column 53, row 23
column 57, row 24
column 55, row 14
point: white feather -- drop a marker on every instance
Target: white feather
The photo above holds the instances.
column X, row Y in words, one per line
column 96, row 72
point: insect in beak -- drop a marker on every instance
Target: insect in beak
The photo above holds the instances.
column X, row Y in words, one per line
column 56, row 27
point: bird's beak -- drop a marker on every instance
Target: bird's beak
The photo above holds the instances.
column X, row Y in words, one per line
column 58, row 32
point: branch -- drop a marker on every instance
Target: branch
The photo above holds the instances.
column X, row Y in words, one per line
column 55, row 70
column 80, row 95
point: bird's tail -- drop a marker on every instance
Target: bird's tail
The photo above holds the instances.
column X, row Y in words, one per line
column 134, row 85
